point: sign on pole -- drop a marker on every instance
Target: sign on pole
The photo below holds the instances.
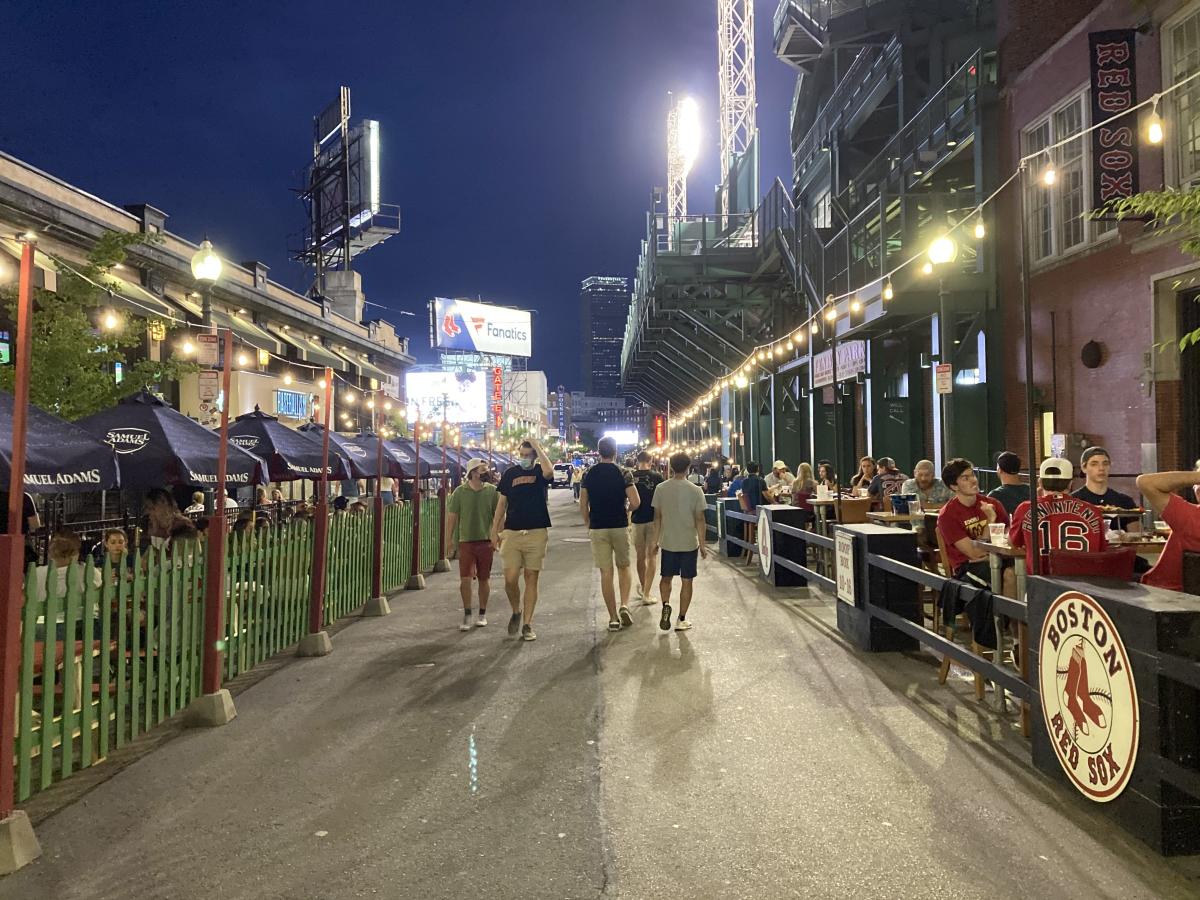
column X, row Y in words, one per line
column 207, row 349
column 944, row 379
column 208, row 386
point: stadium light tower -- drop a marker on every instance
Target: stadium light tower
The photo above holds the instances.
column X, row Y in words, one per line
column 683, row 145
column 735, row 47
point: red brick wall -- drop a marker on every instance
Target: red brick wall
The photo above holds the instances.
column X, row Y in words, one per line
column 1104, row 293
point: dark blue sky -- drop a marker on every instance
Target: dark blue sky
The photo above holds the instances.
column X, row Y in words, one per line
column 521, row 139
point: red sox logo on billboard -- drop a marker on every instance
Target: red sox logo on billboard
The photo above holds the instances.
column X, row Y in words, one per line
column 1089, row 699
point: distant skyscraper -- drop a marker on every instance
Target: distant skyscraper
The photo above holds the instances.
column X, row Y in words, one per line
column 604, row 304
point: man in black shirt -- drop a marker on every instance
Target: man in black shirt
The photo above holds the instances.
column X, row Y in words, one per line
column 606, row 490
column 1012, row 491
column 754, row 488
column 1096, row 465
column 520, row 531
column 712, row 481
column 645, row 479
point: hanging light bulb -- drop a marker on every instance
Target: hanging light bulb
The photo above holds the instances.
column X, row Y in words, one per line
column 349, row 398
column 243, row 359
column 831, row 313
column 1154, row 126
column 790, row 345
column 187, row 348
column 799, row 338
column 287, row 377
column 888, row 293
column 110, row 321
column 1049, row 173
column 778, row 350
column 762, row 355
column 370, row 404
column 388, row 405
column 321, row 384
column 980, row 231
column 927, row 269
column 814, row 328
column 855, row 306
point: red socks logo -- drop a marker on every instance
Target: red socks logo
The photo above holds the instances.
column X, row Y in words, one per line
column 1076, row 696
column 449, row 326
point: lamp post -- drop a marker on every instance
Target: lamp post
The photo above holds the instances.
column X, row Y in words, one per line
column 214, row 706
column 377, row 604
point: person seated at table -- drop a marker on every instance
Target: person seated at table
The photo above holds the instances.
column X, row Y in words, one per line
column 197, row 504
column 779, row 477
column 163, row 518
column 754, row 488
column 1064, row 522
column 712, row 481
column 964, row 520
column 735, row 482
column 865, row 475
column 826, row 477
column 804, row 488
column 114, row 547
column 1096, row 465
column 1160, row 489
column 888, row 480
column 1012, row 490
column 930, row 489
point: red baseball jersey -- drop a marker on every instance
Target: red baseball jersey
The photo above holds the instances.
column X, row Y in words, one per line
column 1064, row 523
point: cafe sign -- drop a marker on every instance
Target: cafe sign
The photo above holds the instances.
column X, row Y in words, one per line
column 851, row 361
column 1089, row 699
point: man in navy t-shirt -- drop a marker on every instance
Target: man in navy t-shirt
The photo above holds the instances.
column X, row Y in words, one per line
column 520, row 530
column 606, row 492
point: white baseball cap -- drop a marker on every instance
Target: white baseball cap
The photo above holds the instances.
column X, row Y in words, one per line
column 779, row 464
column 475, row 463
column 1056, row 467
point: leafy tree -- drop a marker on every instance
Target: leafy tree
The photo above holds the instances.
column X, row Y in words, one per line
column 74, row 357
column 1172, row 212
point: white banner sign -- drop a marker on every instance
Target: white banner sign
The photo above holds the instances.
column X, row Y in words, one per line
column 944, row 378
column 207, row 349
column 209, row 386
column 844, row 550
column 851, row 361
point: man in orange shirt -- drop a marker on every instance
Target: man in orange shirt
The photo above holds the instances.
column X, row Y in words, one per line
column 1183, row 517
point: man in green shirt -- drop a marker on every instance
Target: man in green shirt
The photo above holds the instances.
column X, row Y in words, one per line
column 469, row 515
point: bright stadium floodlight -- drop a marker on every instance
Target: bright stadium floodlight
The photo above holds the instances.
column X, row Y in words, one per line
column 688, row 132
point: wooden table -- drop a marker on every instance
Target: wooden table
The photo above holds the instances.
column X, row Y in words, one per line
column 1151, row 547
column 893, row 518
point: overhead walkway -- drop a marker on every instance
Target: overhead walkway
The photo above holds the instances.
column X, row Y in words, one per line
column 757, row 755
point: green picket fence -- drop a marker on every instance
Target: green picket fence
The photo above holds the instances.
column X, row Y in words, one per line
column 107, row 653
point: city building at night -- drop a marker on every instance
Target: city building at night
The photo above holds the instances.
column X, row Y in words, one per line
column 603, row 307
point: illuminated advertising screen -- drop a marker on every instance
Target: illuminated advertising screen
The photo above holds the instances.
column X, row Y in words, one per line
column 463, row 394
column 479, row 327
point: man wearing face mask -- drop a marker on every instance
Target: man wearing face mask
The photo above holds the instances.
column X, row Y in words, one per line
column 520, row 531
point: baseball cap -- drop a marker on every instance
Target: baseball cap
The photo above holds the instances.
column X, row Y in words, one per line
column 1090, row 452
column 1056, row 467
column 475, row 463
column 779, row 464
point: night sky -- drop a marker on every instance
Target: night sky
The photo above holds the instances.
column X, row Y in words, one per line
column 520, row 139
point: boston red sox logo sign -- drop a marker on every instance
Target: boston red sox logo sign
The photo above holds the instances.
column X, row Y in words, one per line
column 1089, row 698
column 765, row 548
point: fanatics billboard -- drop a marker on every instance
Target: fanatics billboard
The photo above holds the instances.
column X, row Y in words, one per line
column 464, row 325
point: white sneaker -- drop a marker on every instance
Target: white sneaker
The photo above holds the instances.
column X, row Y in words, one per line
column 682, row 625
column 466, row 622
column 481, row 621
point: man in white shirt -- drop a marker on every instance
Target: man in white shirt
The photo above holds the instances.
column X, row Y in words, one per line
column 680, row 530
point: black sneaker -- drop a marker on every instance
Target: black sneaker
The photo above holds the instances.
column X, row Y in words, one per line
column 527, row 633
column 665, row 621
column 626, row 616
column 514, row 623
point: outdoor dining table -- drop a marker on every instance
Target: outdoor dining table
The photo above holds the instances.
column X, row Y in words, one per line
column 997, row 553
column 893, row 519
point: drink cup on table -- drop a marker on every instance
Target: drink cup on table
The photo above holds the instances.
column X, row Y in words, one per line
column 914, row 507
column 998, row 533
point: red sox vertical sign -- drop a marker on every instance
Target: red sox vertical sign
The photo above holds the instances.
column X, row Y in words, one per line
column 1114, row 90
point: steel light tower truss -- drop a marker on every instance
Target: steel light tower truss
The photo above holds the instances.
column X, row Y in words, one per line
column 735, row 42
column 683, row 144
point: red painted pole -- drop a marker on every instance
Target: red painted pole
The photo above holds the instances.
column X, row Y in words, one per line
column 214, row 586
column 12, row 559
column 316, row 597
column 442, row 493
column 377, row 568
column 416, row 531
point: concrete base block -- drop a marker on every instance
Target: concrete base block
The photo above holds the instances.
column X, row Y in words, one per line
column 415, row 582
column 315, row 645
column 210, row 710
column 442, row 565
column 376, row 606
column 18, row 844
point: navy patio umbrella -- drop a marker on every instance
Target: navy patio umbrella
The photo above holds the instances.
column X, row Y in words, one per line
column 289, row 454
column 158, row 446
column 404, row 450
column 60, row 458
column 360, row 450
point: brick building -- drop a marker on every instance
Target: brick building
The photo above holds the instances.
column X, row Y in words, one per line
column 1121, row 285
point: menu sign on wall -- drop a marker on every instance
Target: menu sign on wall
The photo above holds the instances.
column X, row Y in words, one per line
column 1114, row 90
column 851, row 361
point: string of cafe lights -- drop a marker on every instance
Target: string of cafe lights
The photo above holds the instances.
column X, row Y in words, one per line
column 941, row 250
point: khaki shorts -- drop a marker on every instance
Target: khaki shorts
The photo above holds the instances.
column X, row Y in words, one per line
column 524, row 549
column 643, row 535
column 610, row 546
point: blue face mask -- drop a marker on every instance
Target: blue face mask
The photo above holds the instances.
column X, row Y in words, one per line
column 527, row 463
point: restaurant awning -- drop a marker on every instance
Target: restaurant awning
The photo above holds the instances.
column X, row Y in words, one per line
column 246, row 331
column 359, row 362
column 138, row 299
column 41, row 263
column 310, row 351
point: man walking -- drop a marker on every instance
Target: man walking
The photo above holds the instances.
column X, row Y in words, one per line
column 646, row 480
column 679, row 529
column 605, row 491
column 520, row 531
column 469, row 515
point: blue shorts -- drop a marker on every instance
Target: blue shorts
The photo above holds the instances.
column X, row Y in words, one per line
column 679, row 562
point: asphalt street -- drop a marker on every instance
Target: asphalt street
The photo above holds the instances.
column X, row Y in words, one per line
column 757, row 756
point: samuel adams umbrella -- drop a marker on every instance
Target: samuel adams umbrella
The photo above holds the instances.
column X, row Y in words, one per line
column 158, row 446
column 289, row 454
column 60, row 458
column 361, row 452
column 403, row 449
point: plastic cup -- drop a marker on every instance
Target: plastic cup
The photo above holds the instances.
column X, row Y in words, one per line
column 998, row 533
column 914, row 507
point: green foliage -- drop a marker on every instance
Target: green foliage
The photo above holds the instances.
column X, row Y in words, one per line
column 73, row 357
column 1171, row 212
